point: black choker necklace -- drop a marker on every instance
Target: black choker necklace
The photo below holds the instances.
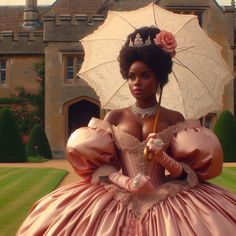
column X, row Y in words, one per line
column 142, row 113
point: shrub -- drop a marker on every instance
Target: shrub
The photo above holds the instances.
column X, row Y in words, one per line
column 38, row 144
column 11, row 146
column 225, row 130
column 36, row 159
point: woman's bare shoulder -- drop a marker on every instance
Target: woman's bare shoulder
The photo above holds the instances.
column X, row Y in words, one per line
column 114, row 116
column 172, row 116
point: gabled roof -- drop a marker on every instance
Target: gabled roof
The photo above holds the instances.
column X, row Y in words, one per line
column 11, row 17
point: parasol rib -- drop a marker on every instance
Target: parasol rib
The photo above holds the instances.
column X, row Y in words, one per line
column 180, row 91
column 92, row 40
column 203, row 55
column 114, row 93
column 184, row 66
column 195, row 17
column 123, row 19
column 153, row 5
column 183, row 49
column 154, row 15
column 104, row 63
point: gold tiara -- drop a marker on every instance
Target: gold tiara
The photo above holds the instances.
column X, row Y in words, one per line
column 138, row 41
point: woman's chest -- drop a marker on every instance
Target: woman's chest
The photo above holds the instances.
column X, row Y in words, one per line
column 141, row 129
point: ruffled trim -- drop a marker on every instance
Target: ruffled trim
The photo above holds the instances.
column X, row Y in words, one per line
column 167, row 134
column 103, row 170
column 192, row 178
column 120, row 137
column 101, row 124
column 140, row 203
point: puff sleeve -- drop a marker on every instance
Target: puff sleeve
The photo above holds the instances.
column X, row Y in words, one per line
column 88, row 149
column 200, row 149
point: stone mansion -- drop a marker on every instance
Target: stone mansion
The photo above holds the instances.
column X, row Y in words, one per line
column 31, row 32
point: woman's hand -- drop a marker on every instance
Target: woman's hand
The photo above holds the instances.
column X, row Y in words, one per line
column 155, row 146
column 141, row 183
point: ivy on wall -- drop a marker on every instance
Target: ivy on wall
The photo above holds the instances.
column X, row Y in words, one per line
column 21, row 101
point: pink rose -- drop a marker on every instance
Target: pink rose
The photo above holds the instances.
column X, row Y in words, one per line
column 39, row 79
column 166, row 40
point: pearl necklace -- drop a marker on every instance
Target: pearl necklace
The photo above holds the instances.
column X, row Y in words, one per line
column 142, row 113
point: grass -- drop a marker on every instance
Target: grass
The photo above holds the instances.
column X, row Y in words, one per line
column 36, row 159
column 19, row 189
column 226, row 179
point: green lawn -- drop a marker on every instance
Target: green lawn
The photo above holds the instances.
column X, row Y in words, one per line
column 227, row 179
column 19, row 189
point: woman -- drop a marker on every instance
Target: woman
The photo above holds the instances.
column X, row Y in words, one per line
column 125, row 192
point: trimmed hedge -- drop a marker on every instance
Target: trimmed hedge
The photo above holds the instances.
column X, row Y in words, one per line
column 225, row 130
column 11, row 146
column 38, row 144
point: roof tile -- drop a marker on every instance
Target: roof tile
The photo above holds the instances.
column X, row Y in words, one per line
column 11, row 17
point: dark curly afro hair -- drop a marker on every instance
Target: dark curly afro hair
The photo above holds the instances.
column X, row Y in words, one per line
column 153, row 56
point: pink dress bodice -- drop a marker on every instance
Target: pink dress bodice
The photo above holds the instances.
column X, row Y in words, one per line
column 187, row 142
column 131, row 157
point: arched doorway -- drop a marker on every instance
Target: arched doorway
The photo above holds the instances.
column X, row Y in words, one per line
column 80, row 113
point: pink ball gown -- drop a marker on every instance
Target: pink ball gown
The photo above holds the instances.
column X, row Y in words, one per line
column 175, row 207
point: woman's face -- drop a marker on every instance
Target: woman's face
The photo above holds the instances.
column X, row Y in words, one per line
column 142, row 81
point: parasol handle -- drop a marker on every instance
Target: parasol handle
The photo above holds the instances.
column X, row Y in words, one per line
column 155, row 126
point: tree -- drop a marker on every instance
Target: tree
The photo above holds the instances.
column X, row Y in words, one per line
column 11, row 146
column 225, row 130
column 38, row 144
column 39, row 100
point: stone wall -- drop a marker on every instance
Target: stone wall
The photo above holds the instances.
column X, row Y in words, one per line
column 21, row 50
column 130, row 5
column 62, row 35
column 20, row 73
column 67, row 28
column 25, row 42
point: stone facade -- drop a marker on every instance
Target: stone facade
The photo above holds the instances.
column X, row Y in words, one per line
column 69, row 101
column 21, row 50
column 64, row 93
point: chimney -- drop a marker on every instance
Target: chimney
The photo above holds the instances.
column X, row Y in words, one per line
column 31, row 15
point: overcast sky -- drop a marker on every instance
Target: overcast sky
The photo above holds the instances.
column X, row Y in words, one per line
column 48, row 2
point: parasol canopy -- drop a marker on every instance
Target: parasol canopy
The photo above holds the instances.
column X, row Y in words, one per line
column 196, row 84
